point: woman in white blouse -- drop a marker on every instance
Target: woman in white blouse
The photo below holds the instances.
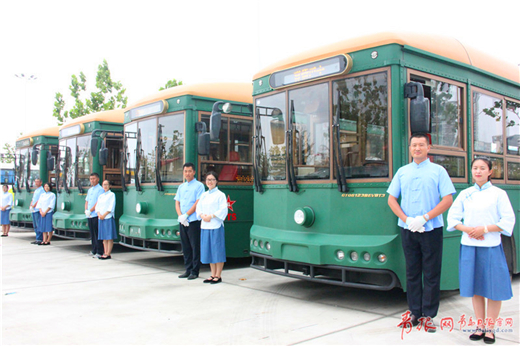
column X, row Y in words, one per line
column 46, row 203
column 6, row 203
column 105, row 207
column 483, row 212
column 212, row 209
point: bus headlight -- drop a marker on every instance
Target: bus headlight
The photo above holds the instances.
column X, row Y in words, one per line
column 304, row 216
column 340, row 255
column 141, row 208
column 354, row 256
column 267, row 246
column 366, row 256
column 65, row 205
column 381, row 258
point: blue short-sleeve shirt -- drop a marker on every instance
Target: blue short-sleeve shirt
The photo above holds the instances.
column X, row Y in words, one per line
column 36, row 196
column 92, row 196
column 421, row 187
column 187, row 194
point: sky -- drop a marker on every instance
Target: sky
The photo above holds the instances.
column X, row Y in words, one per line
column 147, row 43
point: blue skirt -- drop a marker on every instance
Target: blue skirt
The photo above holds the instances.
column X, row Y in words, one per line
column 212, row 245
column 46, row 223
column 4, row 217
column 483, row 271
column 107, row 229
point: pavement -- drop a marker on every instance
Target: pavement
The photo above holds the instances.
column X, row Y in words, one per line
column 58, row 295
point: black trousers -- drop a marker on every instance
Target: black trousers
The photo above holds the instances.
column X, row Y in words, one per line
column 97, row 245
column 190, row 241
column 423, row 254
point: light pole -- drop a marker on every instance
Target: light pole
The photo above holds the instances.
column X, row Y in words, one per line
column 26, row 79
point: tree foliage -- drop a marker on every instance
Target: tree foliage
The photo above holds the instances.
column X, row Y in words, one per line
column 8, row 155
column 108, row 95
column 170, row 84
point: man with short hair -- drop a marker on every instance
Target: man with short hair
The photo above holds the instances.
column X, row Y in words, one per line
column 35, row 210
column 426, row 192
column 90, row 212
column 186, row 200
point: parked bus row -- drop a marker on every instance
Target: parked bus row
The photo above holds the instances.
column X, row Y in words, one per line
column 305, row 156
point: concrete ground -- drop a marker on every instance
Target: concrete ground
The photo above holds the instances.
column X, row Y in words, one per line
column 58, row 295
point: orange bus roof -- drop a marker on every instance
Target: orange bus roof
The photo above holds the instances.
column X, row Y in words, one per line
column 444, row 46
column 112, row 116
column 238, row 92
column 50, row 132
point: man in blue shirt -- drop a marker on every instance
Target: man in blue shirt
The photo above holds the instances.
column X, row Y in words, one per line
column 426, row 192
column 186, row 200
column 90, row 212
column 36, row 210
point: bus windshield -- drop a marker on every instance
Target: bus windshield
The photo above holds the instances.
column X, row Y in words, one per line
column 363, row 124
column 270, row 114
column 84, row 160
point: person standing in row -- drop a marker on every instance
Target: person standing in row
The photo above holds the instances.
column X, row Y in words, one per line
column 482, row 213
column 46, row 203
column 186, row 200
column 90, row 212
column 105, row 208
column 35, row 210
column 6, row 203
column 213, row 209
column 426, row 192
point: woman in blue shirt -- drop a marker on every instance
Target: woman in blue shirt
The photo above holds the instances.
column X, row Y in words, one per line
column 105, row 207
column 6, row 203
column 46, row 203
column 212, row 209
column 483, row 212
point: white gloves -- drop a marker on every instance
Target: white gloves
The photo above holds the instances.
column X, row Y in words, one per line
column 87, row 213
column 415, row 224
column 183, row 219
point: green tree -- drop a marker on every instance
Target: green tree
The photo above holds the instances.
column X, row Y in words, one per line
column 108, row 95
column 170, row 84
column 8, row 155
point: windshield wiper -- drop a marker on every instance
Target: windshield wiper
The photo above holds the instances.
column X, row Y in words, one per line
column 158, row 154
column 65, row 170
column 138, row 161
column 293, row 186
column 340, row 168
column 256, row 141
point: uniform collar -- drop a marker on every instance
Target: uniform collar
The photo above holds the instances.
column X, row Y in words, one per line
column 213, row 190
column 422, row 164
column 484, row 187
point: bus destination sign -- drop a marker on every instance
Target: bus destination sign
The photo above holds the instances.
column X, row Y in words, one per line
column 315, row 70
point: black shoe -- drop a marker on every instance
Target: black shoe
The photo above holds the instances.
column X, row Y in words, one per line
column 215, row 281
column 413, row 320
column 192, row 277
column 429, row 325
column 476, row 337
column 184, row 276
column 37, row 242
column 488, row 340
column 105, row 258
column 208, row 280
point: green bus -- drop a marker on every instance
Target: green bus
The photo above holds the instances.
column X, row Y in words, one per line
column 332, row 127
column 28, row 167
column 162, row 132
column 76, row 162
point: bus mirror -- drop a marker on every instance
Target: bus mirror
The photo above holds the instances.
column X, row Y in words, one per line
column 203, row 144
column 278, row 131
column 50, row 163
column 34, row 156
column 103, row 156
column 420, row 121
column 214, row 121
column 94, row 146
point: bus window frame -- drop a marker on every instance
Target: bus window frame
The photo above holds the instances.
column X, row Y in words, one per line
column 504, row 156
column 330, row 81
column 200, row 162
column 442, row 149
